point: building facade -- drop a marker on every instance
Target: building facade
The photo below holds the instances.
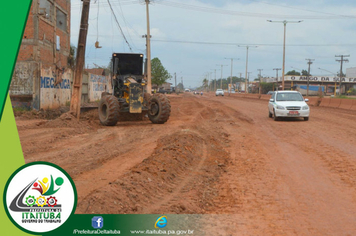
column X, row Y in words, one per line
column 329, row 85
column 42, row 77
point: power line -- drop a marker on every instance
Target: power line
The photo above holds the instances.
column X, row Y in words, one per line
column 297, row 8
column 240, row 13
column 118, row 24
column 128, row 2
column 127, row 25
column 256, row 44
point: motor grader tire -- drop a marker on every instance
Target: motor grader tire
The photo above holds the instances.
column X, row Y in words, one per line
column 103, row 94
column 109, row 108
column 146, row 99
column 159, row 109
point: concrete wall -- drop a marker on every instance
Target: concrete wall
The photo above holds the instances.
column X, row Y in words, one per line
column 348, row 104
column 25, row 85
column 97, row 85
column 55, row 88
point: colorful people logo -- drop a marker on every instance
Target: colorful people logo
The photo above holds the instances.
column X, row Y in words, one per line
column 47, row 189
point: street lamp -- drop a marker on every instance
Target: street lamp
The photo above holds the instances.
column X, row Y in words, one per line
column 328, row 71
column 284, row 44
column 296, row 68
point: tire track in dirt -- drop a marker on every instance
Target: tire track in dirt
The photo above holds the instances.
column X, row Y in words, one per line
column 306, row 193
column 182, row 183
column 177, row 160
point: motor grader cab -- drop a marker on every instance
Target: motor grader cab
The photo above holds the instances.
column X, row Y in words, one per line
column 128, row 94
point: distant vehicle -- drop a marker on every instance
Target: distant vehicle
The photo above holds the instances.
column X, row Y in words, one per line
column 219, row 92
column 313, row 89
column 187, row 90
column 164, row 91
column 288, row 104
column 270, row 92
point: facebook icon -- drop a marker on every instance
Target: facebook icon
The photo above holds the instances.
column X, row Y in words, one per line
column 97, row 222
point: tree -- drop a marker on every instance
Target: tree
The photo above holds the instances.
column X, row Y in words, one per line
column 205, row 83
column 159, row 74
column 266, row 87
column 304, row 72
column 293, row 72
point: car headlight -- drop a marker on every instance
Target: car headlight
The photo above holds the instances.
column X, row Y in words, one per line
column 306, row 107
column 280, row 107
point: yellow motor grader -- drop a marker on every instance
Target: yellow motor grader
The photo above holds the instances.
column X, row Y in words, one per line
column 128, row 93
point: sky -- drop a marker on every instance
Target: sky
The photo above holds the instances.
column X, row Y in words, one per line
column 193, row 38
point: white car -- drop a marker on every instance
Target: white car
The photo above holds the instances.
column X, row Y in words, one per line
column 288, row 104
column 219, row 92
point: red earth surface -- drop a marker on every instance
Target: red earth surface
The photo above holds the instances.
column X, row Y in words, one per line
column 218, row 156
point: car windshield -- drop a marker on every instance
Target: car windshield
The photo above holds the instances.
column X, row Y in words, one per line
column 219, row 90
column 289, row 97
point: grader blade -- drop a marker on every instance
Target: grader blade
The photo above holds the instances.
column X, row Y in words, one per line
column 136, row 98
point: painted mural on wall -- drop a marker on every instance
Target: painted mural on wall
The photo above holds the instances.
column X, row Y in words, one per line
column 97, row 85
column 55, row 87
column 23, row 78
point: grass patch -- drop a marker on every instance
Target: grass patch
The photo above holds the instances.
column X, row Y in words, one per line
column 20, row 109
column 344, row 97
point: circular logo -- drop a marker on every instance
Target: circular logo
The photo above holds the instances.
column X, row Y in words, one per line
column 39, row 197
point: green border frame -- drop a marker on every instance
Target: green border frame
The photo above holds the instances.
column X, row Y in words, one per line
column 31, row 164
column 18, row 20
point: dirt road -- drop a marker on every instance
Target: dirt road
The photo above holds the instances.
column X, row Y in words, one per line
column 215, row 155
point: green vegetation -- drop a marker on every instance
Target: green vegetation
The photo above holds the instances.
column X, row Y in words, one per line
column 266, row 87
column 344, row 97
column 225, row 82
column 352, row 91
column 20, row 109
column 159, row 74
column 293, row 72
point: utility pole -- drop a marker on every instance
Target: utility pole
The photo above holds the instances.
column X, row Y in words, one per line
column 80, row 61
column 221, row 74
column 247, row 46
column 215, row 79
column 310, row 61
column 341, row 61
column 232, row 59
column 259, row 76
column 248, row 80
column 284, row 44
column 175, row 82
column 148, row 45
column 277, row 69
column 240, row 82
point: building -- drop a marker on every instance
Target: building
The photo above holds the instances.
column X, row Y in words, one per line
column 164, row 86
column 351, row 72
column 330, row 84
column 42, row 78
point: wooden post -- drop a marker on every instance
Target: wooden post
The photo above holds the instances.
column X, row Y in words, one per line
column 80, row 61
